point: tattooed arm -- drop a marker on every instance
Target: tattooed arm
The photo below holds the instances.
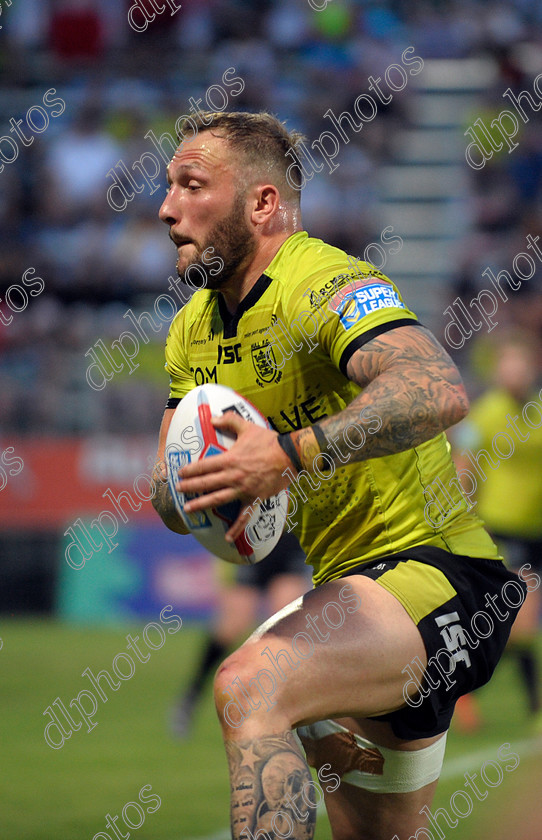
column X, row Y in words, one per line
column 162, row 500
column 409, row 382
column 411, row 390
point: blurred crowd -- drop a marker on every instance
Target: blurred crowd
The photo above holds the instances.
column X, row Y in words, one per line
column 118, row 83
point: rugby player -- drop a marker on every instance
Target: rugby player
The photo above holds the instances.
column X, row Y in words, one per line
column 358, row 415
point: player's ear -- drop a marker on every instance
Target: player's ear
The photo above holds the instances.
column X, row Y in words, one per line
column 266, row 204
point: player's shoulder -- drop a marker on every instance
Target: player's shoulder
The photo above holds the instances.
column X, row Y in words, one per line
column 304, row 259
column 301, row 256
column 310, row 269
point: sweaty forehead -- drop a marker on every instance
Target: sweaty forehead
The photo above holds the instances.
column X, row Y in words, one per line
column 205, row 151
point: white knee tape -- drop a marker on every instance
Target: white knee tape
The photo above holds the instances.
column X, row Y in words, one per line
column 384, row 770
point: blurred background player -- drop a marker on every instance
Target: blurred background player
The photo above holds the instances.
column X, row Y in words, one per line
column 509, row 498
column 267, row 586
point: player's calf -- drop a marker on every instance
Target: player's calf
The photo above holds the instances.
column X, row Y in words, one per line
column 273, row 794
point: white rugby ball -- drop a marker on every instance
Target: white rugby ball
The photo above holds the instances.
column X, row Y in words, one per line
column 191, row 437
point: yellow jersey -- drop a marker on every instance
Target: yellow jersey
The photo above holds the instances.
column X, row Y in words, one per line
column 286, row 349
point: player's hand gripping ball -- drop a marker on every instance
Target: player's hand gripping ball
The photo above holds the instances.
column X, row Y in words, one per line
column 191, row 437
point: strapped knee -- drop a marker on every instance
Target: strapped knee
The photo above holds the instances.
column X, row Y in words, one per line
column 363, row 764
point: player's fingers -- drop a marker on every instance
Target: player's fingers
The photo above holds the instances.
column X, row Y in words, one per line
column 210, row 500
column 231, row 422
column 205, row 483
column 214, row 463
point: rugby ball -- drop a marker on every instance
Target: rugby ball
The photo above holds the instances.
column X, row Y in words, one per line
column 191, row 437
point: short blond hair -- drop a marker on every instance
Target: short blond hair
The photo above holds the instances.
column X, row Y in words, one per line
column 264, row 143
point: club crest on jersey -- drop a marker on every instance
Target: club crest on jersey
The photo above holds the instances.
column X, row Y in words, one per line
column 264, row 363
column 362, row 298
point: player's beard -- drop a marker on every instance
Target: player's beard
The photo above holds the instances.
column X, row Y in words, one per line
column 231, row 241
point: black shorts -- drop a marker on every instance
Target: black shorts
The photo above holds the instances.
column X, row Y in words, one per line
column 287, row 558
column 464, row 608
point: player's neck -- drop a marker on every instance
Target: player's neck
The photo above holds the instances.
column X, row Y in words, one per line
column 239, row 287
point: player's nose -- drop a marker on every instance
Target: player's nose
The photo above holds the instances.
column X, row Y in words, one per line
column 169, row 211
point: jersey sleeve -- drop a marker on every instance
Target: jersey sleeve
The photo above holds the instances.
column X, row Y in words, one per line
column 350, row 307
column 181, row 379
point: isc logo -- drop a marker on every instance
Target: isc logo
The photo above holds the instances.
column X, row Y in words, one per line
column 454, row 637
column 229, row 355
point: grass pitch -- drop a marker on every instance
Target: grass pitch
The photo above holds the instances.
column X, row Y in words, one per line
column 65, row 794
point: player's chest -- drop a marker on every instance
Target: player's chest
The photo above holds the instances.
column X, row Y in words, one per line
column 233, row 361
column 270, row 373
column 244, row 356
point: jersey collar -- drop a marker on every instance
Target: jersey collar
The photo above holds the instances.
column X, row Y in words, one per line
column 231, row 320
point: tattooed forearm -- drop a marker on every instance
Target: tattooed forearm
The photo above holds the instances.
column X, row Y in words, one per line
column 306, row 445
column 271, row 789
column 163, row 503
column 410, row 384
